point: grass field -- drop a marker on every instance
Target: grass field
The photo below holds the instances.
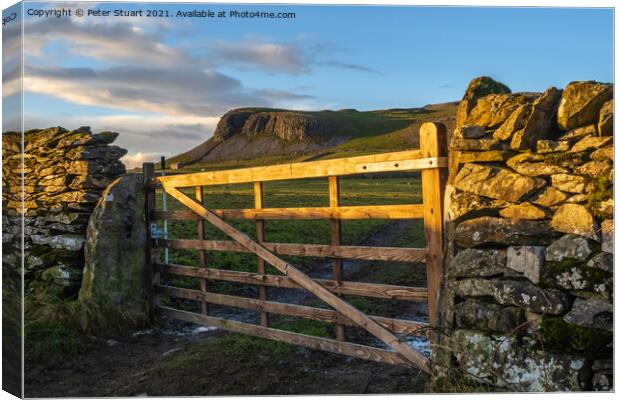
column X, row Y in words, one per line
column 307, row 193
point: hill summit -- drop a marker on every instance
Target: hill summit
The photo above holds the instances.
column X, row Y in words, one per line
column 262, row 133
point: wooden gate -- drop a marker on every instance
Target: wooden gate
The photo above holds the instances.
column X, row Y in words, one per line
column 430, row 159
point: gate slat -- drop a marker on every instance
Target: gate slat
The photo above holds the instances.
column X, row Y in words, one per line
column 318, row 314
column 333, row 346
column 364, row 289
column 372, row 253
column 303, row 280
column 409, row 160
column 404, row 211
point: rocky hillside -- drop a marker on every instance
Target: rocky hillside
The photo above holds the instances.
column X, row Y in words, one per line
column 253, row 133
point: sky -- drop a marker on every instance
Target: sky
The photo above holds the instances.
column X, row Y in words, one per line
column 163, row 83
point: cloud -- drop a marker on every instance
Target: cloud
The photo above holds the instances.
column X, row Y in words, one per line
column 122, row 41
column 138, row 72
column 135, row 160
column 354, row 67
column 294, row 58
column 169, row 98
column 153, row 135
column 273, row 57
column 179, row 91
column 11, row 44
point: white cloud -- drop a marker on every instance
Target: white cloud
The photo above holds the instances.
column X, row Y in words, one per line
column 173, row 92
column 158, row 135
column 137, row 159
column 273, row 57
column 118, row 42
column 169, row 99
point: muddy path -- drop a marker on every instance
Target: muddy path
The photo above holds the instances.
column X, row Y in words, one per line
column 178, row 358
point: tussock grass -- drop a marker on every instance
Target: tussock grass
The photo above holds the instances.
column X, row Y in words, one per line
column 63, row 328
column 87, row 317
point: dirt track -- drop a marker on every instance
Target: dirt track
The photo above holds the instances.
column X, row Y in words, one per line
column 160, row 364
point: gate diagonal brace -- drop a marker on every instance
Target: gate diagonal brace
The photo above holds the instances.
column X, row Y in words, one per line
column 303, row 280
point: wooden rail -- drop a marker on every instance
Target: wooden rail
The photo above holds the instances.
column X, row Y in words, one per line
column 411, row 160
column 317, row 314
column 406, row 211
column 373, row 253
column 334, row 346
column 364, row 289
column 430, row 160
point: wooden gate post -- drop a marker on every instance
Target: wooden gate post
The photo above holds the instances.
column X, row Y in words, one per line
column 433, row 143
column 336, row 228
column 260, row 236
column 150, row 253
column 202, row 255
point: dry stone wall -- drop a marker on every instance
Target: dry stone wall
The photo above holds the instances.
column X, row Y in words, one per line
column 65, row 173
column 527, row 297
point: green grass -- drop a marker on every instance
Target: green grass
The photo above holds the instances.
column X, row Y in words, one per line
column 45, row 338
column 59, row 329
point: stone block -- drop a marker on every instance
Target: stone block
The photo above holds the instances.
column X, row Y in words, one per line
column 469, row 132
column 575, row 219
column 523, row 211
column 464, row 204
column 607, row 235
column 603, row 261
column 475, row 314
column 591, row 143
column 515, row 122
column 528, row 260
column 568, row 183
column 549, row 197
column 502, row 231
column 606, row 119
column 532, row 164
column 581, row 103
column 571, row 247
column 492, row 110
column 591, row 313
column 552, row 146
column 496, row 183
column 477, row 88
column 540, row 121
column 514, row 293
column 477, row 144
column 576, row 134
column 484, row 156
column 604, row 153
column 502, row 361
column 478, row 263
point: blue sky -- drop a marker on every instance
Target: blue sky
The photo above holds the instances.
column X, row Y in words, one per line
column 163, row 83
